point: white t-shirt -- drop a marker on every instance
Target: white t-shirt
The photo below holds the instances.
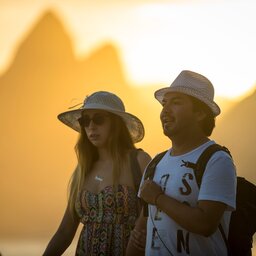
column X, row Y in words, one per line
column 166, row 237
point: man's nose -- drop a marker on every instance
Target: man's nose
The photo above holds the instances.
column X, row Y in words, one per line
column 165, row 110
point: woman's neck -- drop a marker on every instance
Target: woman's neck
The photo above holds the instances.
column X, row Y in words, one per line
column 104, row 154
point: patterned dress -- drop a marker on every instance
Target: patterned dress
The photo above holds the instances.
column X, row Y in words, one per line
column 108, row 219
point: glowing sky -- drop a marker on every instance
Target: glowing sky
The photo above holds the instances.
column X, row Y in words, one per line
column 157, row 38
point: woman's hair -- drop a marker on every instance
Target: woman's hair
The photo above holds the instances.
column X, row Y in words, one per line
column 208, row 123
column 119, row 143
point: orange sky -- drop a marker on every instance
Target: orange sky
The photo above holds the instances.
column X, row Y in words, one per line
column 157, row 39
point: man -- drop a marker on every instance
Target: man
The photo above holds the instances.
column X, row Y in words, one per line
column 183, row 219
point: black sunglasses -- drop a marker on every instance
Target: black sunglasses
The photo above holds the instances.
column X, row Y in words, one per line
column 98, row 119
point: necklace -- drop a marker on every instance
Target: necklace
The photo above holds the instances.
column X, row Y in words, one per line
column 98, row 178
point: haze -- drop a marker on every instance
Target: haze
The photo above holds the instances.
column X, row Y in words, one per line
column 43, row 78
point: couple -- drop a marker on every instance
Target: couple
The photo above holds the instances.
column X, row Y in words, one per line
column 183, row 219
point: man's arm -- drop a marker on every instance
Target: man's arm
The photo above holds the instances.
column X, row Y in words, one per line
column 202, row 219
column 137, row 241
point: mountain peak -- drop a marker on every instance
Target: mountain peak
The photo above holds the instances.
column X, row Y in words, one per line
column 49, row 15
column 106, row 59
column 47, row 39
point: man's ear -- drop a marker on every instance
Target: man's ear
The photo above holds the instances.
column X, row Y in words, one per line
column 200, row 115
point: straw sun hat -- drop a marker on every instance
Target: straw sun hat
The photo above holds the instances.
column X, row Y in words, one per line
column 109, row 102
column 192, row 84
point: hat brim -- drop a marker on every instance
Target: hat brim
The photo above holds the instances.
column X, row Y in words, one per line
column 134, row 125
column 159, row 95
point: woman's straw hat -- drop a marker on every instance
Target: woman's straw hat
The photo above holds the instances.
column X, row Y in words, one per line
column 109, row 102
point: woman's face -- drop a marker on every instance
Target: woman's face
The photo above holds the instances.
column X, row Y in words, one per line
column 97, row 125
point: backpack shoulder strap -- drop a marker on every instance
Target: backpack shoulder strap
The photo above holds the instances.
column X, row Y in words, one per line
column 135, row 168
column 203, row 159
column 149, row 174
column 150, row 171
column 199, row 169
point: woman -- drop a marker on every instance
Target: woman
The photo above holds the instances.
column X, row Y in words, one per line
column 102, row 194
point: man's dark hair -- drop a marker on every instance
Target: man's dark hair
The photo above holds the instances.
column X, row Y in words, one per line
column 208, row 123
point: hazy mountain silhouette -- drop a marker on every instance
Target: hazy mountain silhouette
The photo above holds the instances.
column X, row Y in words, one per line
column 37, row 156
column 237, row 131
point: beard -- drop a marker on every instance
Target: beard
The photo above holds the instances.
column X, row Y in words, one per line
column 168, row 131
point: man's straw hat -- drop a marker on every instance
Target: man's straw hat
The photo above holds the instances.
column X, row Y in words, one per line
column 193, row 84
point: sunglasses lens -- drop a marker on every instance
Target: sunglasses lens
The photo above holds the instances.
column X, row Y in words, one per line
column 97, row 119
column 86, row 121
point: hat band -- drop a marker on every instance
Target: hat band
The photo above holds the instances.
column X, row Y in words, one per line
column 102, row 107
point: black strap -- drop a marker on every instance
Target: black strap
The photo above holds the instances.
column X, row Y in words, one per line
column 135, row 168
column 150, row 171
column 225, row 239
column 149, row 174
column 199, row 169
column 202, row 161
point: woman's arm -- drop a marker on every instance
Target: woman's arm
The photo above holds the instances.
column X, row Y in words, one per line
column 143, row 159
column 63, row 236
column 137, row 241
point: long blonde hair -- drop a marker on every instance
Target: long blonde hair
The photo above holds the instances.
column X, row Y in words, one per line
column 119, row 143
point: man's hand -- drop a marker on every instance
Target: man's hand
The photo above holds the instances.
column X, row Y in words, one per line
column 150, row 191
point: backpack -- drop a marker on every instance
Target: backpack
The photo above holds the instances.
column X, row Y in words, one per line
column 243, row 220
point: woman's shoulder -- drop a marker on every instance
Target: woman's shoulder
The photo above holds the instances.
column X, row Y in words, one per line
column 143, row 158
column 141, row 154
